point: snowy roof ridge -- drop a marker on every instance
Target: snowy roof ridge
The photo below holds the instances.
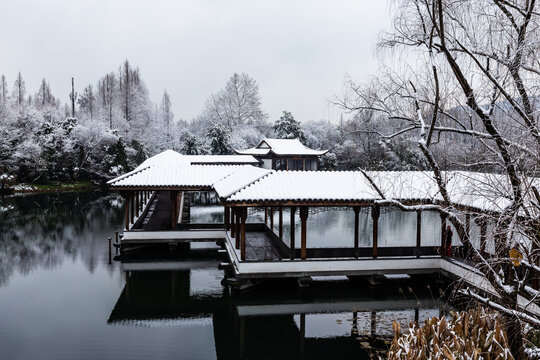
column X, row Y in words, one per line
column 239, row 179
column 282, row 147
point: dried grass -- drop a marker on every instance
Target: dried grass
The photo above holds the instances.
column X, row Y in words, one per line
column 469, row 335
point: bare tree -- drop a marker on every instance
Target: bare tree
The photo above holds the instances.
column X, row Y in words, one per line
column 477, row 81
column 238, row 103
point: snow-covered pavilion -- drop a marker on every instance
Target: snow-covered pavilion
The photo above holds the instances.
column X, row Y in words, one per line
column 285, row 154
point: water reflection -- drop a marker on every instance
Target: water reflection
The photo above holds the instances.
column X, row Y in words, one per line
column 60, row 299
column 41, row 231
column 328, row 320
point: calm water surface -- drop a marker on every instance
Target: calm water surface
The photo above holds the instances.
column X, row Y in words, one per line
column 60, row 298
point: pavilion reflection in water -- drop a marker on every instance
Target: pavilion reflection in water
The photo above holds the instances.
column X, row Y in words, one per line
column 327, row 320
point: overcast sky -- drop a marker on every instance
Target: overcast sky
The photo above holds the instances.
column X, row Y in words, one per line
column 297, row 51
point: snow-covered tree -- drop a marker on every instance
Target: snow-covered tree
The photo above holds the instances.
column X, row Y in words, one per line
column 87, row 101
column 167, row 117
column 219, row 137
column 3, row 90
column 239, row 103
column 19, row 90
column 477, row 86
column 286, row 127
column 192, row 145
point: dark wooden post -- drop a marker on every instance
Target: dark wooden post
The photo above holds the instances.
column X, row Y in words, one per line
column 272, row 218
column 483, row 235
column 293, row 210
column 238, row 230
column 443, row 235
column 137, row 203
column 375, row 213
column 418, row 232
column 226, row 218
column 243, row 216
column 281, row 223
column 265, row 215
column 466, row 247
column 174, row 208
column 304, row 211
column 126, row 196
column 356, row 223
column 233, row 224
column 132, row 207
column 140, row 202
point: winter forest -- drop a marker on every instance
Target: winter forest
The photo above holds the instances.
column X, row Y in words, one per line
column 107, row 128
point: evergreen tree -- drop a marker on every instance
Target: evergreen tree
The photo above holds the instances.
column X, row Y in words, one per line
column 288, row 128
column 219, row 136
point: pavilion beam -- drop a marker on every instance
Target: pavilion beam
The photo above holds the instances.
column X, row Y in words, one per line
column 356, row 224
column 293, row 210
column 281, row 222
column 243, row 216
column 375, row 214
column 443, row 235
column 304, row 211
column 418, row 232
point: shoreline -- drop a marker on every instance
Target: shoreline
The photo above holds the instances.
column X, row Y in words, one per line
column 23, row 188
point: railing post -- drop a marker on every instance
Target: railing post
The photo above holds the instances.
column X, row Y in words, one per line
column 110, row 251
column 304, row 211
column 375, row 213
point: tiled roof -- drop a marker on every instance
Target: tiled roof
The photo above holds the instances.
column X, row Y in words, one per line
column 282, row 147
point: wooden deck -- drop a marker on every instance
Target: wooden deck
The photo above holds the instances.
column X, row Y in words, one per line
column 259, row 247
column 158, row 215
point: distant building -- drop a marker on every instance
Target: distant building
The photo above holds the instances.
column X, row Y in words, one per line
column 285, row 154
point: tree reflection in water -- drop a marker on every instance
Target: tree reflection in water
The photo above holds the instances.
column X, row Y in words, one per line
column 43, row 230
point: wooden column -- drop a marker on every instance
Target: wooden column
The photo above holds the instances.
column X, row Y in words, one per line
column 375, row 213
column 174, row 208
column 132, row 207
column 483, row 235
column 272, row 218
column 281, row 223
column 127, row 198
column 443, row 235
column 243, row 216
column 466, row 247
column 137, row 203
column 304, row 210
column 418, row 232
column 226, row 218
column 265, row 215
column 238, row 229
column 293, row 210
column 140, row 202
column 233, row 224
column 356, row 224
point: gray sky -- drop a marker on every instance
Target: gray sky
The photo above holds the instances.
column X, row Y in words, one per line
column 297, row 51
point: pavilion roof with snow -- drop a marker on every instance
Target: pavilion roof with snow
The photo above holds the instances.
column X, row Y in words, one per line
column 245, row 185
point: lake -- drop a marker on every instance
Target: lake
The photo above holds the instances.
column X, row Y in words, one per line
column 60, row 298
